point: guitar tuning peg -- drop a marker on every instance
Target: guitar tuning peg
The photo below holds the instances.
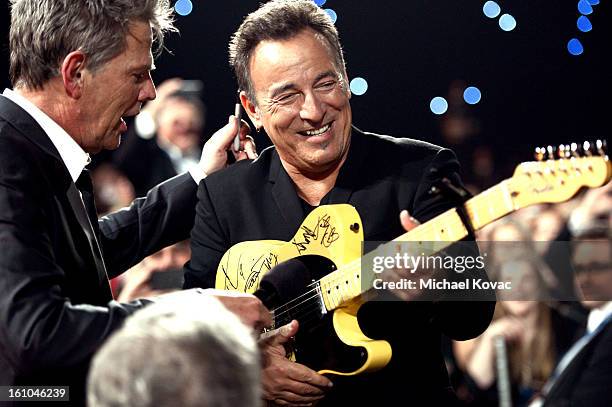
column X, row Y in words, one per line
column 561, row 151
column 551, row 152
column 586, row 148
column 574, row 150
column 539, row 153
column 601, row 146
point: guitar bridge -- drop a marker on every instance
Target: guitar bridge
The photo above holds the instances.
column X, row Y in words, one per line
column 317, row 287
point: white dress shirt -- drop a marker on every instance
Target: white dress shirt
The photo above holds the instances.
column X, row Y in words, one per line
column 73, row 156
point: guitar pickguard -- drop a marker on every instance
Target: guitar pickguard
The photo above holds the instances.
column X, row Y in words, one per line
column 330, row 340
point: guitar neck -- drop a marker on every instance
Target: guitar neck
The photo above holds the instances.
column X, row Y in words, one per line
column 348, row 282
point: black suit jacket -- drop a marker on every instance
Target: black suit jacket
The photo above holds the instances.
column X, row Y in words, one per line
column 56, row 306
column 586, row 380
column 381, row 176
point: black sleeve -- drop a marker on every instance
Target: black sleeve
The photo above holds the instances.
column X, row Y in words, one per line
column 39, row 326
column 458, row 320
column 165, row 216
column 208, row 243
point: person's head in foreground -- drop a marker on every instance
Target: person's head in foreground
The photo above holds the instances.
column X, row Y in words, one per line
column 178, row 352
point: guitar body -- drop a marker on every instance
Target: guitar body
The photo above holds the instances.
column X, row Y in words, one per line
column 329, row 339
column 324, row 289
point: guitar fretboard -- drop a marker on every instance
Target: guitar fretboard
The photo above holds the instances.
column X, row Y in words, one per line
column 431, row 237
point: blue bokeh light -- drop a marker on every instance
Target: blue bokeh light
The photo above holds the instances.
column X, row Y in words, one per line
column 584, row 7
column 359, row 86
column 332, row 14
column 183, row 7
column 472, row 95
column 438, row 105
column 507, row 22
column 584, row 24
column 491, row 9
column 320, row 2
column 593, row 2
column 574, row 46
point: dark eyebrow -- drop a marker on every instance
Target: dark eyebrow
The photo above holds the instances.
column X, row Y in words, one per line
column 325, row 74
column 277, row 91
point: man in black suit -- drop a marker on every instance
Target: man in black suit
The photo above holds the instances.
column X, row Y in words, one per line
column 584, row 373
column 77, row 70
column 290, row 68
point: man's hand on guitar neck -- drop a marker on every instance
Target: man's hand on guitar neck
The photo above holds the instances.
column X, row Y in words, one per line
column 287, row 383
column 396, row 275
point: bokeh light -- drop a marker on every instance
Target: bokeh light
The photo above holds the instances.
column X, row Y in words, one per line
column 438, row 105
column 507, row 22
column 574, row 46
column 584, row 24
column 584, row 7
column 320, row 2
column 472, row 95
column 359, row 86
column 332, row 14
column 491, row 9
column 183, row 7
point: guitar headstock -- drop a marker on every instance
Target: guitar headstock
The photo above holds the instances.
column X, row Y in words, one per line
column 560, row 173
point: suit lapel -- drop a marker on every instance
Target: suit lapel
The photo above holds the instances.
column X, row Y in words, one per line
column 76, row 203
column 30, row 129
column 349, row 176
column 284, row 194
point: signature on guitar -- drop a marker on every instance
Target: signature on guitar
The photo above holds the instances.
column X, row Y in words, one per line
column 256, row 267
column 323, row 228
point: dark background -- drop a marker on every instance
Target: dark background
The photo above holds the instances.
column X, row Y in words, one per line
column 533, row 91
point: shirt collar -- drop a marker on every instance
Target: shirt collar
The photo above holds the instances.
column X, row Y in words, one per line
column 598, row 315
column 73, row 156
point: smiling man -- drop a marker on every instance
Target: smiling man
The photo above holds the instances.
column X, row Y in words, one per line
column 78, row 69
column 290, row 67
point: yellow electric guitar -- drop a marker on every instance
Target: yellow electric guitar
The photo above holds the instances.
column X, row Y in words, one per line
column 330, row 240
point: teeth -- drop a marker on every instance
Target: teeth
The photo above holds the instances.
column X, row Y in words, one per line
column 318, row 131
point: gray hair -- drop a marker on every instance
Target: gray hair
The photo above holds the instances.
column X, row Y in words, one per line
column 183, row 353
column 280, row 20
column 43, row 32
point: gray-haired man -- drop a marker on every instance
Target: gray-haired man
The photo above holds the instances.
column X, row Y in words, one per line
column 78, row 68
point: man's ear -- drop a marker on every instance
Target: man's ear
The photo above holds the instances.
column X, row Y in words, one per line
column 251, row 109
column 72, row 73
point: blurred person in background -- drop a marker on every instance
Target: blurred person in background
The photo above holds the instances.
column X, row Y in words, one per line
column 535, row 329
column 583, row 376
column 165, row 139
column 112, row 189
column 169, row 355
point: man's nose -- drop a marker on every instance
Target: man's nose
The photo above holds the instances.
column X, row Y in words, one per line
column 148, row 91
column 312, row 109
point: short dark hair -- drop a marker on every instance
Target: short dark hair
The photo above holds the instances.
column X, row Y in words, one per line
column 279, row 20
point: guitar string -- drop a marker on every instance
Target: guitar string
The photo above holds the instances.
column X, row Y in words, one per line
column 349, row 267
column 305, row 316
column 424, row 230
